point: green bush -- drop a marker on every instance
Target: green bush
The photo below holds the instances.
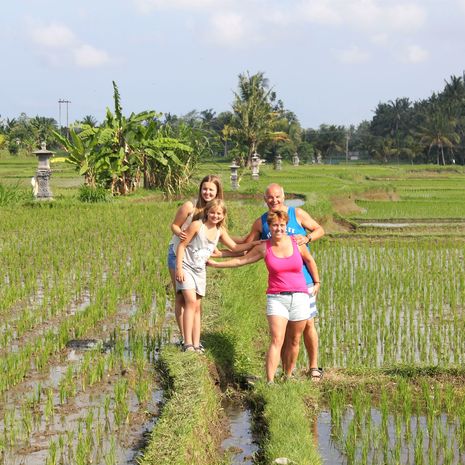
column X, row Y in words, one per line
column 93, row 194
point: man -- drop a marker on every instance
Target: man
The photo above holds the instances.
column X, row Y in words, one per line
column 299, row 222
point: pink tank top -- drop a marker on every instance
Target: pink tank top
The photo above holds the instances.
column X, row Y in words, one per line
column 285, row 274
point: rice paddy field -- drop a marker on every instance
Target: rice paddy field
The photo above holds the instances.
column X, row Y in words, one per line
column 86, row 309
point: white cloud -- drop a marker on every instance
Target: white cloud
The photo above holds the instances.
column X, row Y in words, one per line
column 319, row 11
column 405, row 17
column 149, row 5
column 416, row 54
column 228, row 28
column 86, row 56
column 232, row 21
column 52, row 35
column 362, row 14
column 353, row 55
column 58, row 45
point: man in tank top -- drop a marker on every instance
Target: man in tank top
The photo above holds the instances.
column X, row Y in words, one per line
column 299, row 223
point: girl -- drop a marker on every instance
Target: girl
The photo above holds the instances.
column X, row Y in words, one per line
column 200, row 241
column 288, row 301
column 210, row 188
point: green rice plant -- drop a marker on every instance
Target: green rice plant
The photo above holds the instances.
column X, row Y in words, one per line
column 49, row 406
column 27, row 420
column 121, row 409
column 110, row 456
column 142, row 390
column 52, row 458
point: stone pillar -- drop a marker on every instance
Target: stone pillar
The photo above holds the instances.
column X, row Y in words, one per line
column 234, row 178
column 278, row 163
column 43, row 173
column 295, row 159
column 255, row 166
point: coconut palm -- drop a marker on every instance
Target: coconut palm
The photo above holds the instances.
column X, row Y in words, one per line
column 254, row 114
column 438, row 130
column 89, row 120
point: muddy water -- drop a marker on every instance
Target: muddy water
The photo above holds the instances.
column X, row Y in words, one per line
column 407, row 442
column 240, row 445
column 84, row 416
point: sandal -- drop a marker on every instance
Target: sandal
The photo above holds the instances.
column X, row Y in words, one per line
column 316, row 374
column 188, row 348
column 200, row 349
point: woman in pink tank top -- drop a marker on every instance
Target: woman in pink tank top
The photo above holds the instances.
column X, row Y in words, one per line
column 287, row 293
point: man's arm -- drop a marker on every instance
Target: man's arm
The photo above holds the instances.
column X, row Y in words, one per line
column 255, row 232
column 316, row 230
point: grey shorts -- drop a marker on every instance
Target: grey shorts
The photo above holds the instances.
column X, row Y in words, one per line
column 193, row 280
column 293, row 306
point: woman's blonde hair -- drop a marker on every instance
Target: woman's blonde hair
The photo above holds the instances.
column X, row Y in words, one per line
column 215, row 203
column 200, row 204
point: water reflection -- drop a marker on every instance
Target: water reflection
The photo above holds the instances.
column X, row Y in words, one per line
column 240, row 443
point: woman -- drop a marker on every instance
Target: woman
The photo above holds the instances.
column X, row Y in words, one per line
column 210, row 188
column 287, row 294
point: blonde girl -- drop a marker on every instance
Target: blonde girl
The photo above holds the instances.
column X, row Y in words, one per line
column 201, row 239
column 210, row 188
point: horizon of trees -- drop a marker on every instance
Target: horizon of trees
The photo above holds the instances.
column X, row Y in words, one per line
column 430, row 130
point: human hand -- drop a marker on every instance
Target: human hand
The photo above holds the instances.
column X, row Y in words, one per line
column 315, row 289
column 179, row 275
column 182, row 235
column 300, row 239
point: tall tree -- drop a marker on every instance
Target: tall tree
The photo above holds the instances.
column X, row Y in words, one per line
column 254, row 113
column 438, row 130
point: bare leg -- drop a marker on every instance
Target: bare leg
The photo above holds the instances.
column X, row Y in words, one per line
column 292, row 345
column 191, row 304
column 197, row 322
column 277, row 326
column 178, row 303
column 311, row 343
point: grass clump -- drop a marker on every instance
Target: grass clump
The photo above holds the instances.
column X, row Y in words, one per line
column 93, row 194
column 188, row 430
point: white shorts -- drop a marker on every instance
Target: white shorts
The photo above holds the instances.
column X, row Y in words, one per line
column 294, row 306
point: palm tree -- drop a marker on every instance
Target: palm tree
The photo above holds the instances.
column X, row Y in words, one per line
column 438, row 130
column 89, row 120
column 384, row 148
column 254, row 115
column 43, row 128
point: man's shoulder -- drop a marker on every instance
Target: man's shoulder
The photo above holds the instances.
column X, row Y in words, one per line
column 257, row 224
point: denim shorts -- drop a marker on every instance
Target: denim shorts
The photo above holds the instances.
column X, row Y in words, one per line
column 293, row 306
column 171, row 258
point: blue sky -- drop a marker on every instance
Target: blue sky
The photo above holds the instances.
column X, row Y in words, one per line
column 330, row 61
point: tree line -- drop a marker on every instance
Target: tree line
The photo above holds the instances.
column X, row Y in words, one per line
column 157, row 150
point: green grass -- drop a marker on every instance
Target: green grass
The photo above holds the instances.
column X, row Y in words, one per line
column 390, row 307
column 189, row 429
column 286, row 420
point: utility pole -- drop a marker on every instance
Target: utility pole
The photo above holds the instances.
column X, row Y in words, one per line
column 66, row 102
column 347, row 146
